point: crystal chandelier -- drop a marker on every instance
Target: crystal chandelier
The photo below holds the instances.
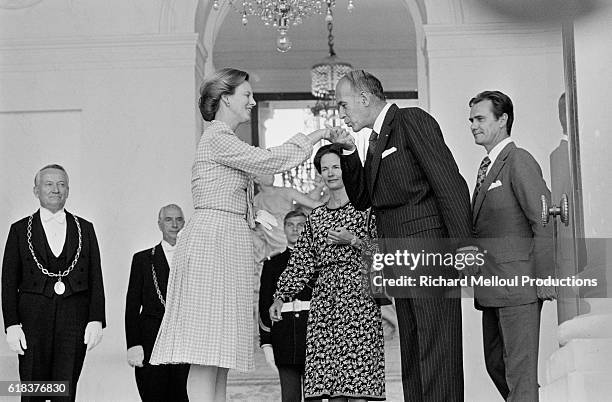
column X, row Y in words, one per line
column 324, row 77
column 281, row 14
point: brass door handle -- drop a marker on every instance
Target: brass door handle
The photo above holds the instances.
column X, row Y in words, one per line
column 562, row 210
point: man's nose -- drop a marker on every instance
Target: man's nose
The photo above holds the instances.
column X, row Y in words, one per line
column 174, row 223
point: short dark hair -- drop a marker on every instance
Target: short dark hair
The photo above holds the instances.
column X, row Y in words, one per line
column 501, row 104
column 51, row 166
column 361, row 80
column 324, row 150
column 293, row 214
column 222, row 82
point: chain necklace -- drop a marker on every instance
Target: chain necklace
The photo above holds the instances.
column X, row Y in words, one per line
column 59, row 286
column 159, row 294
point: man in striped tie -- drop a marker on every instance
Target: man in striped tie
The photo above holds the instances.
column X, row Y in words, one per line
column 412, row 183
column 506, row 213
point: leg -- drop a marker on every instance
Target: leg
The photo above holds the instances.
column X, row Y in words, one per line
column 68, row 347
column 290, row 382
column 221, row 384
column 201, row 383
column 409, row 350
column 177, row 387
column 494, row 350
column 37, row 314
column 520, row 326
column 431, row 348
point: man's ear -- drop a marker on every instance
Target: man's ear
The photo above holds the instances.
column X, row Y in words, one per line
column 503, row 120
column 364, row 97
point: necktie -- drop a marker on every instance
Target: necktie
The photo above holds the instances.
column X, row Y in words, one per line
column 372, row 146
column 482, row 173
column 250, row 194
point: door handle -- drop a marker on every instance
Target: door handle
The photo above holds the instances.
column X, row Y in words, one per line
column 562, row 210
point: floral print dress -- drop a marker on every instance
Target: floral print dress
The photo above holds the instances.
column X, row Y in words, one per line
column 344, row 340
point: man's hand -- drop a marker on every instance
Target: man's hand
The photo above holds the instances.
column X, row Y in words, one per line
column 546, row 292
column 135, row 356
column 93, row 334
column 340, row 136
column 16, row 339
column 276, row 310
column 269, row 354
column 266, row 219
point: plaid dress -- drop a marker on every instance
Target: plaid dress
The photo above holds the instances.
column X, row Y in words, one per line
column 209, row 306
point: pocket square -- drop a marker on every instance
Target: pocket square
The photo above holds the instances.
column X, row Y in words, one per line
column 388, row 152
column 495, row 185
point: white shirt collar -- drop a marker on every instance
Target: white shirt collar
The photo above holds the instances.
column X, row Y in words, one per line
column 498, row 148
column 167, row 246
column 381, row 118
column 46, row 215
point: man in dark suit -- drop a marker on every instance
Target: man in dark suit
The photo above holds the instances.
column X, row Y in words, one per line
column 284, row 343
column 144, row 311
column 411, row 181
column 52, row 291
column 507, row 224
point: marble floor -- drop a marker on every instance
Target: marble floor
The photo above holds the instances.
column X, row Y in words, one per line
column 262, row 384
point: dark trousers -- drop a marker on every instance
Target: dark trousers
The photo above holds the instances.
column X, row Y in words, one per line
column 291, row 381
column 54, row 329
column 511, row 341
column 167, row 382
column 431, row 349
column 161, row 383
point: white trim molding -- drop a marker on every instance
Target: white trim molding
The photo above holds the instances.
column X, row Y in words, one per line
column 100, row 52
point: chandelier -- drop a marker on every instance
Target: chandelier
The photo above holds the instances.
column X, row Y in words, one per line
column 281, row 14
column 324, row 77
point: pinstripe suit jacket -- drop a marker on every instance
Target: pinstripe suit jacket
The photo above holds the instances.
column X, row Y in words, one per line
column 415, row 188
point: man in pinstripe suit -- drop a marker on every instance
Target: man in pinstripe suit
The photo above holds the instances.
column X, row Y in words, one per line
column 411, row 181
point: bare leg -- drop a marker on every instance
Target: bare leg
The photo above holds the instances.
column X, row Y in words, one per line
column 202, row 383
column 221, row 384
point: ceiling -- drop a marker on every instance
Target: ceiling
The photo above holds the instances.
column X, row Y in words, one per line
column 378, row 36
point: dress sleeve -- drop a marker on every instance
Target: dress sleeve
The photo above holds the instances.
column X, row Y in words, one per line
column 229, row 150
column 301, row 267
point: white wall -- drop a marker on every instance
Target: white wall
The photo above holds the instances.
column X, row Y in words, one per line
column 97, row 88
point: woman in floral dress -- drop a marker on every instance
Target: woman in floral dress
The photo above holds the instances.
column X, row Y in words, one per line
column 344, row 341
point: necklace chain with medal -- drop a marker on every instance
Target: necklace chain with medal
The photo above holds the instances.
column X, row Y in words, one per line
column 59, row 286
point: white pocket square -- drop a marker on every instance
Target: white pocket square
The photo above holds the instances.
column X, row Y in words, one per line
column 388, row 152
column 495, row 185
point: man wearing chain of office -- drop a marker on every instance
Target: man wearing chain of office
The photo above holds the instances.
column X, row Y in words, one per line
column 52, row 290
column 144, row 310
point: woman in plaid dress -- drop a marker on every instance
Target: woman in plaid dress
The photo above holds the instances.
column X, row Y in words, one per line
column 209, row 308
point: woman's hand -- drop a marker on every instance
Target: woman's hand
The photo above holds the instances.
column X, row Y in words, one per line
column 276, row 310
column 318, row 135
column 342, row 236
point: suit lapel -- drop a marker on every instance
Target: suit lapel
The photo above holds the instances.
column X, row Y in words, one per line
column 72, row 237
column 381, row 145
column 39, row 239
column 499, row 163
column 162, row 267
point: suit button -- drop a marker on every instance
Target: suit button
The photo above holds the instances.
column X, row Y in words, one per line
column 78, row 282
column 81, row 269
column 34, row 283
column 297, row 315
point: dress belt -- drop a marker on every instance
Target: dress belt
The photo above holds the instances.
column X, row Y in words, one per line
column 296, row 305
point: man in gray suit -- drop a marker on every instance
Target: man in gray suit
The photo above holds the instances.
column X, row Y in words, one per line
column 506, row 214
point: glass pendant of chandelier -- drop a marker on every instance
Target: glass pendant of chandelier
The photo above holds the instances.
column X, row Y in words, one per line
column 324, row 77
column 281, row 14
